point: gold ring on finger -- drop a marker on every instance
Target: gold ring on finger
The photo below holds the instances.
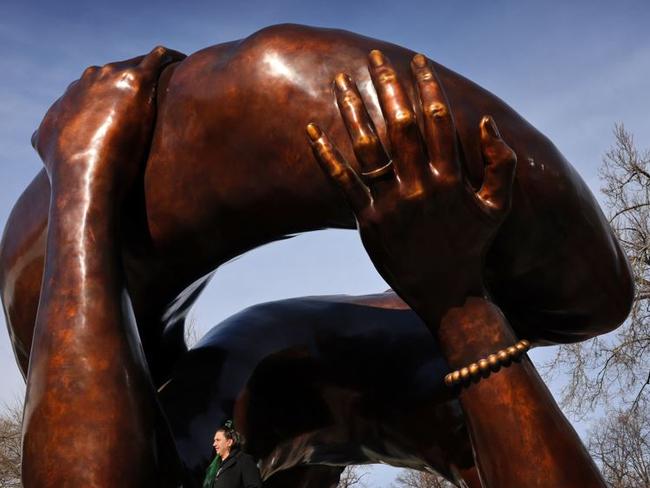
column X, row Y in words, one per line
column 378, row 172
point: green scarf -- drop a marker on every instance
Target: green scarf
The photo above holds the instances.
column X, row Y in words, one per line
column 211, row 472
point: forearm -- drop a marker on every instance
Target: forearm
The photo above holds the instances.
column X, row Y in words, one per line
column 91, row 413
column 84, row 312
column 519, row 435
column 87, row 384
column 81, row 271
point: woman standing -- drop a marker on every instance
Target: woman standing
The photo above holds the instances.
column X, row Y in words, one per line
column 231, row 468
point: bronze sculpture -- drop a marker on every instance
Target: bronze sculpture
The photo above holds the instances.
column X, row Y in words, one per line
column 406, row 216
column 161, row 236
column 343, row 380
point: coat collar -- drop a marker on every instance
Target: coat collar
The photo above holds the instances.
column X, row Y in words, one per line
column 230, row 461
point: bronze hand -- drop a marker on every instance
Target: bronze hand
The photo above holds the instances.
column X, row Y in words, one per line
column 105, row 118
column 426, row 230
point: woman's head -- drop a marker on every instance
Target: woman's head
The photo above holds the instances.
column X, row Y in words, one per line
column 226, row 439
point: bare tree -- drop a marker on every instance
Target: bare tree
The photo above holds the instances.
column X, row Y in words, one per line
column 410, row 478
column 10, row 438
column 617, row 366
column 621, row 446
column 352, row 476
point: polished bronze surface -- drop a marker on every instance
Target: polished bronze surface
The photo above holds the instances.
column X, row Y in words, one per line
column 320, row 380
column 427, row 231
column 91, row 414
column 227, row 169
column 229, row 149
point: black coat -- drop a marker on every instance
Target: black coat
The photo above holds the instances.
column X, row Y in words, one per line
column 238, row 471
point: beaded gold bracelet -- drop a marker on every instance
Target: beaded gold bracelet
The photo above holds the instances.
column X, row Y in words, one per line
column 483, row 367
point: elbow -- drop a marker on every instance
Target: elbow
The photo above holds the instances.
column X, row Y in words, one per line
column 623, row 294
column 617, row 296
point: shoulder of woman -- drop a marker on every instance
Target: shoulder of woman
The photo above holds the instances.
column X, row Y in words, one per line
column 246, row 458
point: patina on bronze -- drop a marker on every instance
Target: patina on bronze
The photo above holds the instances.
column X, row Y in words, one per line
column 229, row 132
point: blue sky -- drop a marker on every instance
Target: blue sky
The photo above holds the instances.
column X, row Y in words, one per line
column 572, row 69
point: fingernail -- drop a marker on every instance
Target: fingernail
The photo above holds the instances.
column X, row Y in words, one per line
column 313, row 132
column 342, row 81
column 376, row 58
column 420, row 61
column 492, row 127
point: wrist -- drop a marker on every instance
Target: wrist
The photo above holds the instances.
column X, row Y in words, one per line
column 433, row 296
column 472, row 331
column 98, row 174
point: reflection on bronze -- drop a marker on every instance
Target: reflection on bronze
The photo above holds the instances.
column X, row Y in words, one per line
column 228, row 169
column 427, row 231
column 91, row 415
column 325, row 380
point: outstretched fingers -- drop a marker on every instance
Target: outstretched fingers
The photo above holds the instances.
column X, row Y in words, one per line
column 410, row 161
column 336, row 168
column 439, row 128
column 367, row 146
column 496, row 192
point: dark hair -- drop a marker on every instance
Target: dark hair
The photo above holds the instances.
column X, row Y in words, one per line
column 230, row 433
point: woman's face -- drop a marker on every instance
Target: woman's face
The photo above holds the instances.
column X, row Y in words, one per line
column 221, row 444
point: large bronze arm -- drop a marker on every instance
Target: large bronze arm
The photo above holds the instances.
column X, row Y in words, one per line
column 229, row 169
